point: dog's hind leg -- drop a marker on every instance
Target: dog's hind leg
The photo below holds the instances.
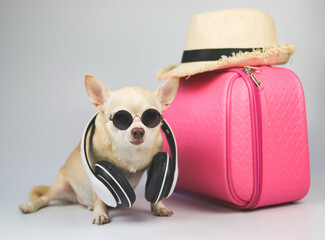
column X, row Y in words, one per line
column 40, row 196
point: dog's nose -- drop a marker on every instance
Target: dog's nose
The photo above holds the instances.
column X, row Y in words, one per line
column 137, row 133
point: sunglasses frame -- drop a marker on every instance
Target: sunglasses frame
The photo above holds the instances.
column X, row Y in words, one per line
column 111, row 118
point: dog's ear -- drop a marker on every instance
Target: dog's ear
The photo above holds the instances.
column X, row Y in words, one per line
column 167, row 92
column 96, row 91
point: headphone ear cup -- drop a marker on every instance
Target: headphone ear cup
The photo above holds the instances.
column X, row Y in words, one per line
column 157, row 178
column 108, row 174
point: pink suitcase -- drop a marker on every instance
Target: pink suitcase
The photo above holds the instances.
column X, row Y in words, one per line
column 243, row 144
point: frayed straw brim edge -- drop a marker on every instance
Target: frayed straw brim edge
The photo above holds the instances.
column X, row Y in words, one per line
column 278, row 54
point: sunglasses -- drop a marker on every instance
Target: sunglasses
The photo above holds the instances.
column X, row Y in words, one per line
column 123, row 119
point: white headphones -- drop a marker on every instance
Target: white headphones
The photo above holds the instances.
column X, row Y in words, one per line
column 114, row 189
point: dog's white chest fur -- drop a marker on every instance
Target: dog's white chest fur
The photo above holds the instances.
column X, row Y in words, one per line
column 131, row 158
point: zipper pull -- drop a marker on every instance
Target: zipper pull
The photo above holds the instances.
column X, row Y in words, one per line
column 248, row 70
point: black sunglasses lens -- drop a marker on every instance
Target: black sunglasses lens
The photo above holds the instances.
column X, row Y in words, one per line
column 122, row 120
column 151, row 118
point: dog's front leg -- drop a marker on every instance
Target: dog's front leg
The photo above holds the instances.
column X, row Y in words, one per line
column 159, row 209
column 100, row 211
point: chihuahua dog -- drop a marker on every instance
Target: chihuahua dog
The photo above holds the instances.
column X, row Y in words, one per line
column 130, row 150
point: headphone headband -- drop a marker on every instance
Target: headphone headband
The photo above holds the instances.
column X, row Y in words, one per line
column 173, row 151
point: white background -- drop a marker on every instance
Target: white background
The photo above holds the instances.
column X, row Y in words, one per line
column 46, row 48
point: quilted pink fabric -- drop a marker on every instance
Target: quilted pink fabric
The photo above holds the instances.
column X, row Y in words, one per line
column 243, row 146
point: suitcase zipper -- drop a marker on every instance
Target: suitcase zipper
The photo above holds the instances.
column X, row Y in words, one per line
column 256, row 118
column 248, row 70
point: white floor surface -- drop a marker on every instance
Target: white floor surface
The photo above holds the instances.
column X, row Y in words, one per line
column 193, row 218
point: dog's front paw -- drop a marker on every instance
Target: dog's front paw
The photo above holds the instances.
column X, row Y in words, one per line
column 162, row 212
column 101, row 219
column 100, row 211
column 100, row 214
column 159, row 209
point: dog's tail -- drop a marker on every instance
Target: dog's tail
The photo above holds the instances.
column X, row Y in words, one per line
column 38, row 191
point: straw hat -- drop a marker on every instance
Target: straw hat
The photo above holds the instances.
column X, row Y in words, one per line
column 229, row 38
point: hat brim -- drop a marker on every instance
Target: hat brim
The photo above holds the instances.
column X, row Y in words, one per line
column 274, row 55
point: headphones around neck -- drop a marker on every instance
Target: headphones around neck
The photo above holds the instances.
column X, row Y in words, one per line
column 113, row 188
